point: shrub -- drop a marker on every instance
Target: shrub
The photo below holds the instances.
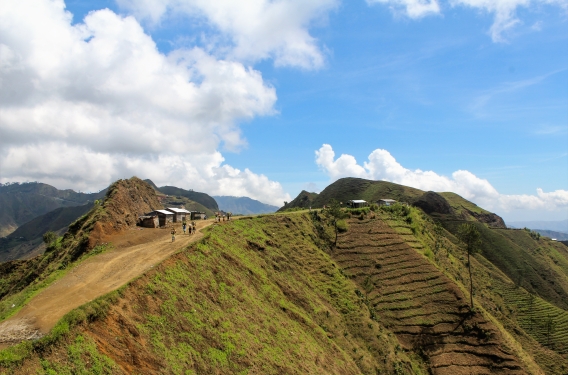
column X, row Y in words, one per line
column 342, row 226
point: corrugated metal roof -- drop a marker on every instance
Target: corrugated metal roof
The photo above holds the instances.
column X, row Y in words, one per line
column 387, row 200
column 358, row 201
column 178, row 210
column 164, row 212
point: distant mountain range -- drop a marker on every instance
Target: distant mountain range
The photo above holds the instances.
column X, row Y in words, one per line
column 556, row 226
column 20, row 203
column 243, row 205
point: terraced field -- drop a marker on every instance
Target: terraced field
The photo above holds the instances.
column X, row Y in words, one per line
column 424, row 308
column 545, row 322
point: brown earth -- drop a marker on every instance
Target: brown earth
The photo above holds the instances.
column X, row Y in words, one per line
column 134, row 251
column 424, row 308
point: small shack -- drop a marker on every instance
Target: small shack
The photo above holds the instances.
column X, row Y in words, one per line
column 148, row 221
column 357, row 203
column 386, row 202
column 164, row 217
column 196, row 215
column 180, row 214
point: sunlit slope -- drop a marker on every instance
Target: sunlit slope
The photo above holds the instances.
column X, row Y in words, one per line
column 537, row 325
column 257, row 296
column 424, row 308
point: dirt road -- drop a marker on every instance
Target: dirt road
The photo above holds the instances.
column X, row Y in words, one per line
column 133, row 253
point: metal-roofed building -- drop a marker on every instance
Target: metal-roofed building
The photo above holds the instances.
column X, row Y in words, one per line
column 386, row 202
column 164, row 217
column 179, row 214
column 356, row 203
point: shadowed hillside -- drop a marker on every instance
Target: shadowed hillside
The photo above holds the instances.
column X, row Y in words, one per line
column 201, row 198
column 20, row 203
column 26, row 241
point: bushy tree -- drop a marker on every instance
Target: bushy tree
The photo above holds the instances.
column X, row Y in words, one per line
column 49, row 237
column 469, row 235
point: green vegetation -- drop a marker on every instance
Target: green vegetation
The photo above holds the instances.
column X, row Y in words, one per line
column 255, row 295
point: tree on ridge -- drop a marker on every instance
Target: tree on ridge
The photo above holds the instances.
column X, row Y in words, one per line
column 470, row 236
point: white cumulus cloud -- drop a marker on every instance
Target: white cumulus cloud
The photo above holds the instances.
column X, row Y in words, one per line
column 256, row 30
column 84, row 104
column 381, row 165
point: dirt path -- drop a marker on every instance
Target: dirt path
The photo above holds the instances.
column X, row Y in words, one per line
column 133, row 253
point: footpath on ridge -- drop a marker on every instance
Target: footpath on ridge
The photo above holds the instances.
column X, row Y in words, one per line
column 133, row 252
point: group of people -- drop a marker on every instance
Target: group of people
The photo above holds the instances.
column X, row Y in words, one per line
column 222, row 215
column 191, row 228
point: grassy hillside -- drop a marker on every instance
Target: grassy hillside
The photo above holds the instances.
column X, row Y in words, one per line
column 499, row 297
column 20, row 203
column 257, row 296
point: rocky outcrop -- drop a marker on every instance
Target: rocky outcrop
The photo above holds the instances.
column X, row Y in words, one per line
column 491, row 219
column 431, row 202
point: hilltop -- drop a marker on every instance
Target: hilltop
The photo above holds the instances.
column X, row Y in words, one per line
column 443, row 206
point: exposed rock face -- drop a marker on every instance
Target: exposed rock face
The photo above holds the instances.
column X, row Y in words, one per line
column 433, row 202
column 493, row 220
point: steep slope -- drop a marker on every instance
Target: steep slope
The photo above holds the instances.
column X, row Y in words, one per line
column 243, row 205
column 257, row 296
column 20, row 203
column 26, row 241
column 422, row 306
column 124, row 201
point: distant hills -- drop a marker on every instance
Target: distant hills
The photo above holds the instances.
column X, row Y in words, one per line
column 556, row 226
column 243, row 205
column 27, row 240
column 20, row 203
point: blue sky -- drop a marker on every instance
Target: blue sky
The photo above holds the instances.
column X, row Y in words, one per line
column 466, row 95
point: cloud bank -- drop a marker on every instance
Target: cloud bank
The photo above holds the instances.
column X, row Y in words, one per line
column 381, row 165
column 84, row 104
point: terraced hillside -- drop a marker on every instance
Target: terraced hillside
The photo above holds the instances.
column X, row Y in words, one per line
column 424, row 308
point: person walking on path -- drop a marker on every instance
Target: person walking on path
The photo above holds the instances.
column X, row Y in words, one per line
column 183, row 226
column 193, row 227
column 173, row 234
